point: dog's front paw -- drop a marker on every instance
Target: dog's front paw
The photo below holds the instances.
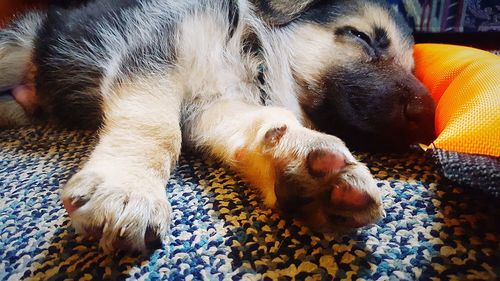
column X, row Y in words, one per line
column 319, row 182
column 125, row 212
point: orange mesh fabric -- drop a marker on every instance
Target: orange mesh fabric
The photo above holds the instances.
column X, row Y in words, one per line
column 465, row 83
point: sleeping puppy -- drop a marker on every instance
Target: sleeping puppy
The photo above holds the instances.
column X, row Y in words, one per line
column 264, row 86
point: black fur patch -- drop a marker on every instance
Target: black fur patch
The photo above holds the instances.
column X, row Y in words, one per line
column 70, row 52
column 69, row 3
column 234, row 16
column 155, row 56
column 381, row 41
column 71, row 101
column 67, row 85
column 281, row 15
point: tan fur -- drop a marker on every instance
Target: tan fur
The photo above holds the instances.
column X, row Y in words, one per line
column 319, row 47
column 400, row 49
column 234, row 131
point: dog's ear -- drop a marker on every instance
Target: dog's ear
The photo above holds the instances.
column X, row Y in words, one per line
column 281, row 12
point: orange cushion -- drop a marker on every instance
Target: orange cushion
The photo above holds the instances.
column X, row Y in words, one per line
column 465, row 83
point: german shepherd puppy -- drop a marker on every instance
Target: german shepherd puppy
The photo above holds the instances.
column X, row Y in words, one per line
column 261, row 85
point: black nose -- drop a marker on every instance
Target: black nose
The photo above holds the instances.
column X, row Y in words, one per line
column 418, row 111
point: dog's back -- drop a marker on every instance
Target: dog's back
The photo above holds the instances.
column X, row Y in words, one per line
column 80, row 53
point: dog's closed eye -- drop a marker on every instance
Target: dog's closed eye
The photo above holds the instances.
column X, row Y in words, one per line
column 362, row 36
column 358, row 37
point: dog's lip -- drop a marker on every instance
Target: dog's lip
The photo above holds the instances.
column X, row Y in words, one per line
column 418, row 133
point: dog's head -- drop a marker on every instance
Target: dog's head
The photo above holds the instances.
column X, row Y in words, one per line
column 353, row 63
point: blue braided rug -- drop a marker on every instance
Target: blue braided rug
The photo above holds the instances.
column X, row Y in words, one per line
column 220, row 231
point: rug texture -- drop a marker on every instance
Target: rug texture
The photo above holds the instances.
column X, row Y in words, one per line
column 433, row 229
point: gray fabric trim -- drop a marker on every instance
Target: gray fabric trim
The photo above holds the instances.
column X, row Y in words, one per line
column 477, row 171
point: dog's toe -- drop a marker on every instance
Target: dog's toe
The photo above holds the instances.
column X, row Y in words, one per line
column 117, row 212
column 346, row 197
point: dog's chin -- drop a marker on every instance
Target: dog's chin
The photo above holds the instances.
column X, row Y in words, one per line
column 386, row 141
column 392, row 144
column 382, row 146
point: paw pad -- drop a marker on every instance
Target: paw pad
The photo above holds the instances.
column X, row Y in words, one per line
column 345, row 197
column 322, row 162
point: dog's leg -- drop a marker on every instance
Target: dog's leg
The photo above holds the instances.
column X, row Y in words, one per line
column 309, row 174
column 119, row 195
